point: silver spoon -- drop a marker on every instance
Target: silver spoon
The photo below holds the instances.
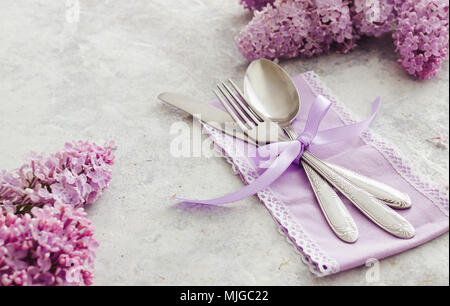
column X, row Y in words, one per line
column 266, row 82
column 334, row 210
column 274, row 97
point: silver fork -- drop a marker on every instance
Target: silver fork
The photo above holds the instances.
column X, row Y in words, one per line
column 331, row 205
column 389, row 195
column 319, row 174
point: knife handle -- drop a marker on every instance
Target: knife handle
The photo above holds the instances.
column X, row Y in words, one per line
column 391, row 196
column 373, row 208
column 335, row 212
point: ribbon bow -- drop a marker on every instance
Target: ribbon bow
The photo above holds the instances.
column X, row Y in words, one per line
column 291, row 151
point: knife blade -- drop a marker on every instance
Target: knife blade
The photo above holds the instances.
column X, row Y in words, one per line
column 219, row 119
column 205, row 112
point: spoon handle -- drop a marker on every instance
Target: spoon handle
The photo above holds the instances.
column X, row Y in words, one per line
column 334, row 210
column 373, row 208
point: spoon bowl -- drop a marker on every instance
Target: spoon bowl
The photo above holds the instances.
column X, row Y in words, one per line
column 273, row 94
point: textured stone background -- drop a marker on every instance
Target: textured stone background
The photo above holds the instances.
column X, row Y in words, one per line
column 98, row 78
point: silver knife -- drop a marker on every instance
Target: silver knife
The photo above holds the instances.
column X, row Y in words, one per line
column 220, row 120
column 368, row 203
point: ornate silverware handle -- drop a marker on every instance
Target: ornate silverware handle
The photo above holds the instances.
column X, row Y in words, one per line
column 374, row 209
column 332, row 207
column 388, row 194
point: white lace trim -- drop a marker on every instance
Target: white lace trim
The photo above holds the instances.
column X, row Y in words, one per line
column 320, row 263
column 317, row 260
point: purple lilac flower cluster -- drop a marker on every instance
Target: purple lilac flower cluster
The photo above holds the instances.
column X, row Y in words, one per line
column 45, row 237
column 76, row 176
column 297, row 28
column 53, row 246
column 422, row 37
column 372, row 18
column 291, row 28
column 255, row 4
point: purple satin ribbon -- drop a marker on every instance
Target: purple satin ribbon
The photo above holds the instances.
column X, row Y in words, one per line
column 291, row 151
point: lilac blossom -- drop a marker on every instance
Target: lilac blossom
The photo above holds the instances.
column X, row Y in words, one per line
column 255, row 4
column 292, row 28
column 373, row 17
column 76, row 175
column 421, row 37
column 45, row 237
column 53, row 245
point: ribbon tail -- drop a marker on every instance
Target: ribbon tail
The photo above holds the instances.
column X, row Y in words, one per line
column 281, row 163
column 346, row 132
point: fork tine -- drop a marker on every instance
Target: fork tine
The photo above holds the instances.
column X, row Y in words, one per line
column 230, row 111
column 254, row 115
column 244, row 108
column 233, row 105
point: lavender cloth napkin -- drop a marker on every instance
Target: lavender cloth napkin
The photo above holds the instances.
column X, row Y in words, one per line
column 291, row 202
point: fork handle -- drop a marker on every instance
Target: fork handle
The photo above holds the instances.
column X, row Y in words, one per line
column 373, row 208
